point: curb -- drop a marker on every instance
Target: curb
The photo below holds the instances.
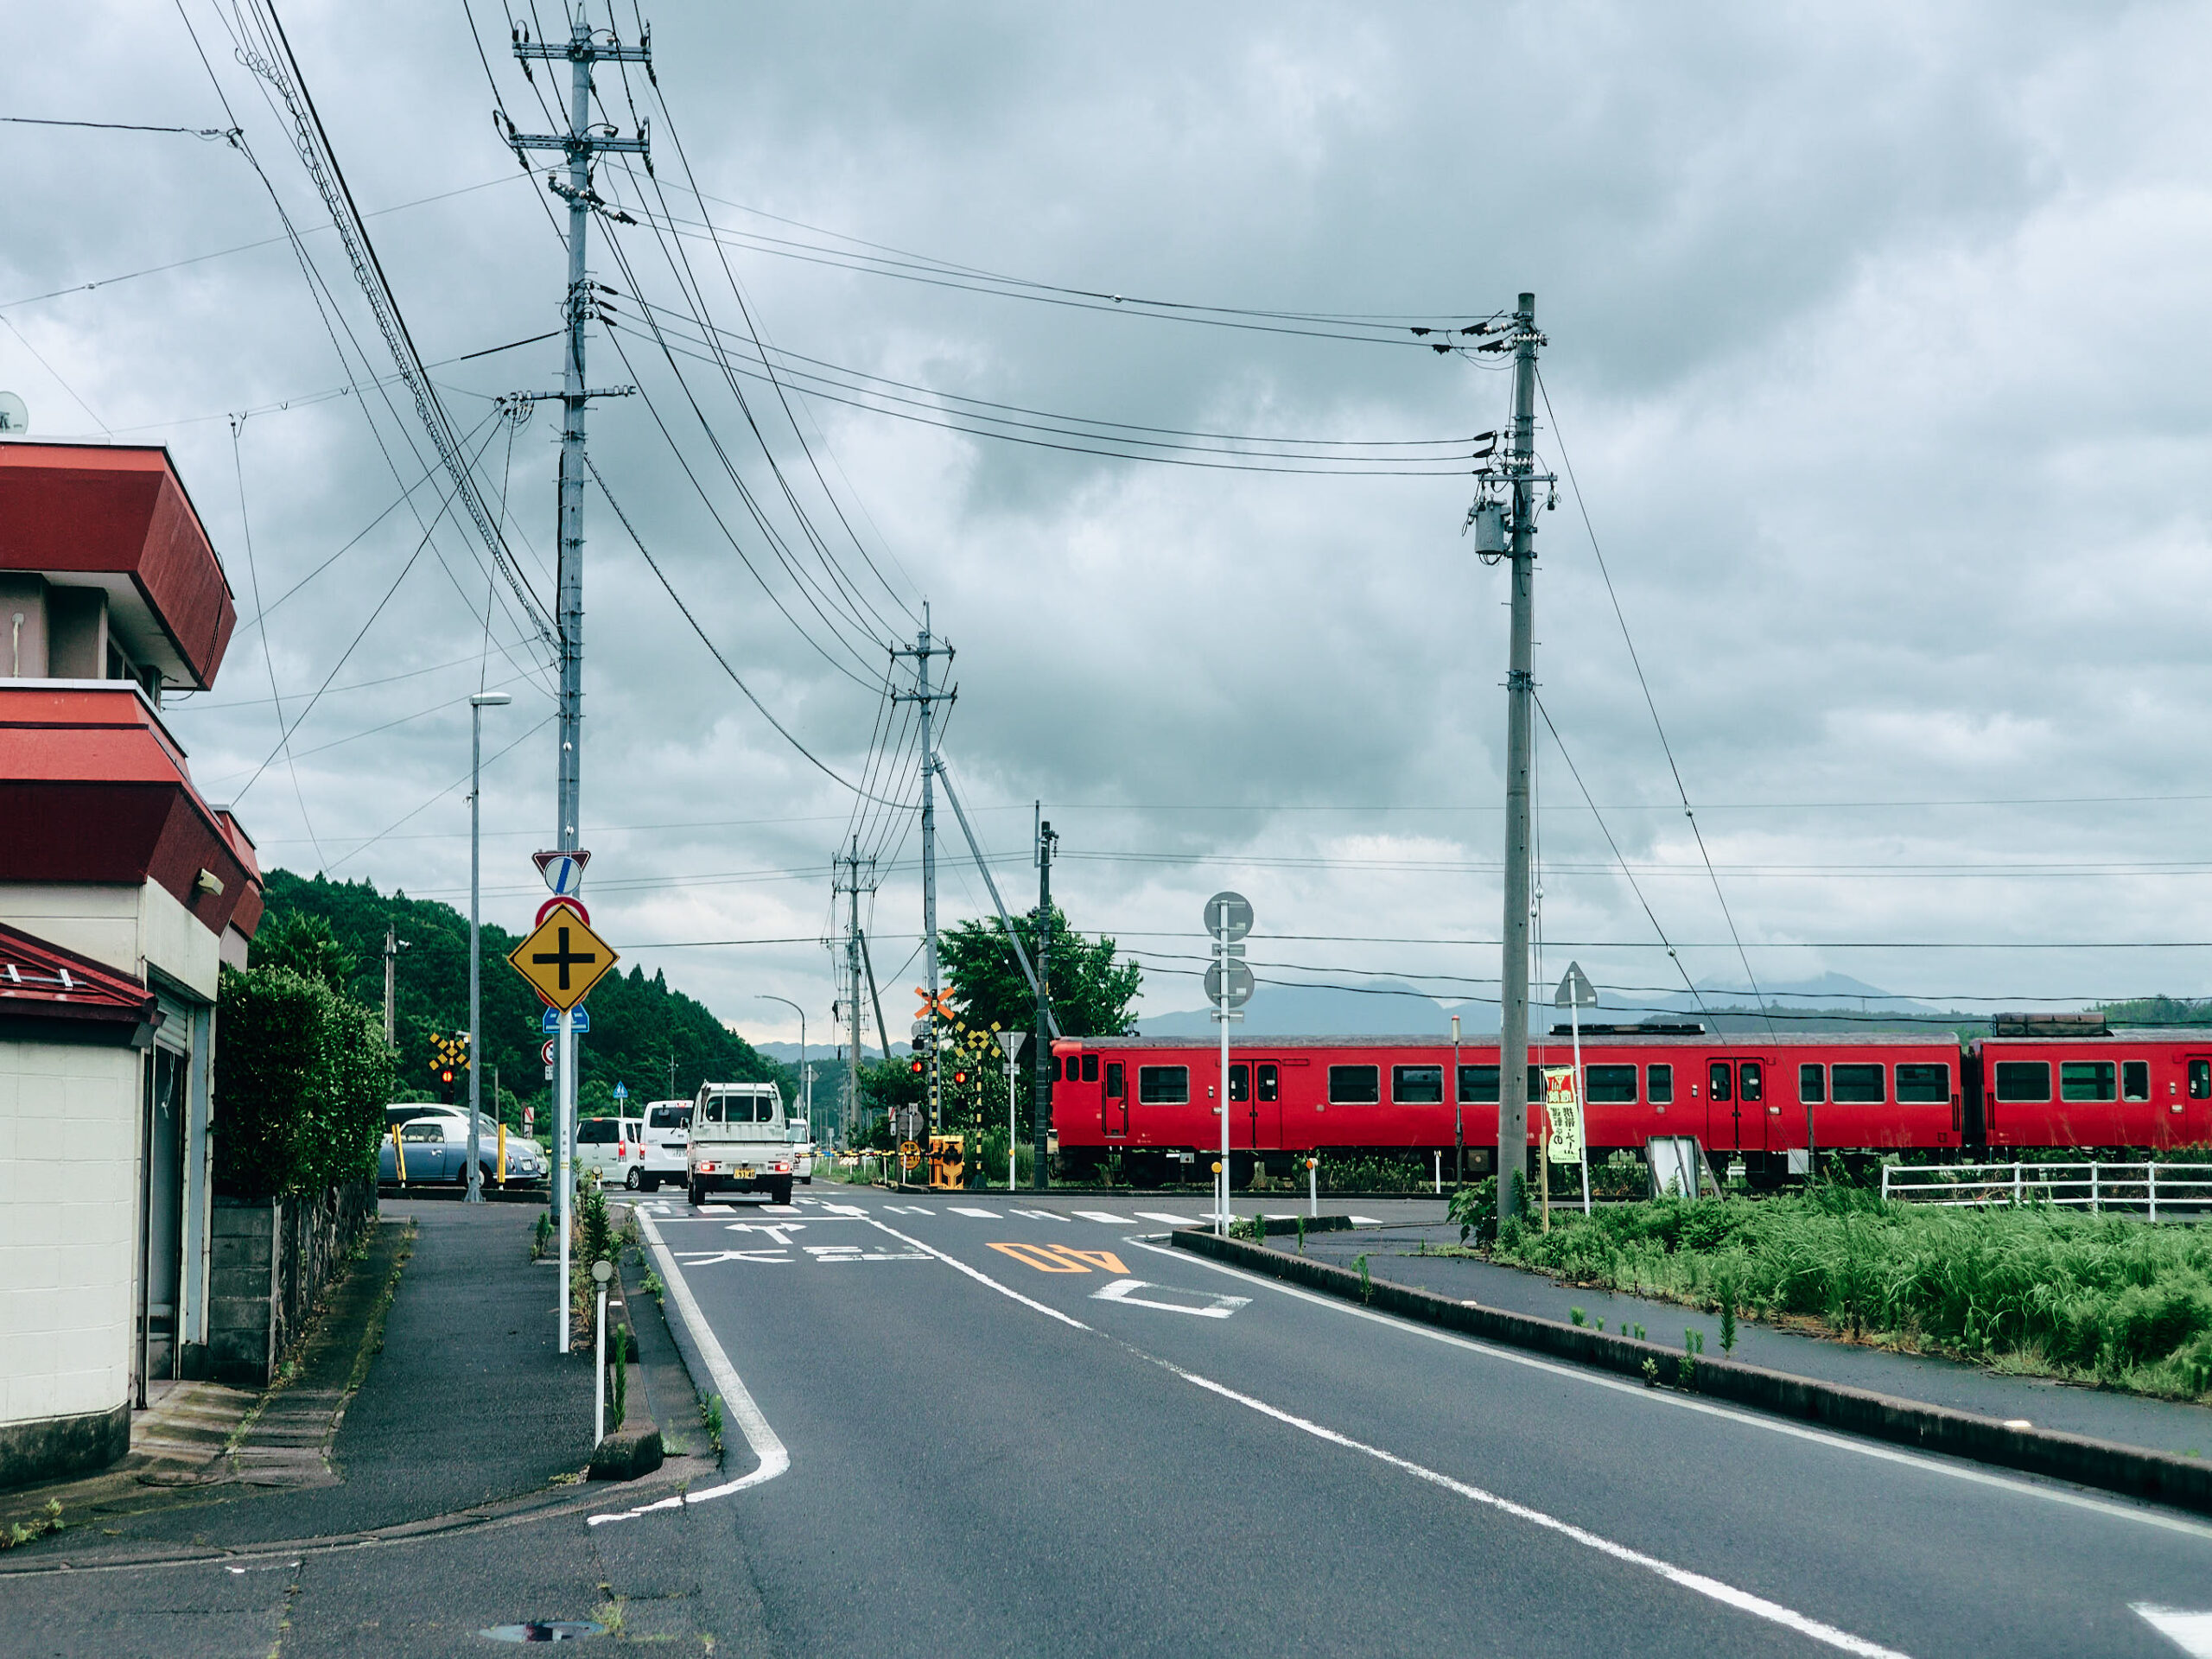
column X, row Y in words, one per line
column 2185, row 1482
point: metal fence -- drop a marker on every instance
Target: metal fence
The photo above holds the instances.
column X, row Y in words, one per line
column 2148, row 1190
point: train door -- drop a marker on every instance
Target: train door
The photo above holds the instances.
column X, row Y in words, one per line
column 1255, row 1104
column 2190, row 1120
column 1113, row 1108
column 1735, row 1105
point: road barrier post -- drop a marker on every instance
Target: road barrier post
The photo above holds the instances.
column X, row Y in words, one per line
column 602, row 1271
column 1313, row 1186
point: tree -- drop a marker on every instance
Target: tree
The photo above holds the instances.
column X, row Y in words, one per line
column 302, row 1076
column 306, row 944
column 1091, row 992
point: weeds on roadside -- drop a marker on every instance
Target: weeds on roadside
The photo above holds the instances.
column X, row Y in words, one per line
column 710, row 1417
column 23, row 1532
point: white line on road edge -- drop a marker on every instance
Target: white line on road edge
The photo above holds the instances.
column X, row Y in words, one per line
column 774, row 1459
column 2191, row 1632
column 1728, row 1594
column 1954, row 1470
column 980, row 1277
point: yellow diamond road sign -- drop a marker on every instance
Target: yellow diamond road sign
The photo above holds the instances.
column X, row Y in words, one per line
column 563, row 958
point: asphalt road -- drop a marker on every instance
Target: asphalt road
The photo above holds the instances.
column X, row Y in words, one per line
column 1018, row 1427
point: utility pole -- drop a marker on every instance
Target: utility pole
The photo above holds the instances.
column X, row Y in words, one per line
column 848, row 885
column 925, row 648
column 1520, row 700
column 1041, row 1112
column 582, row 145
column 393, row 945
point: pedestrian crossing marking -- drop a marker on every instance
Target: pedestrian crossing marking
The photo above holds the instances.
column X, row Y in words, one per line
column 1038, row 1215
column 980, row 1214
column 1102, row 1216
column 1161, row 1215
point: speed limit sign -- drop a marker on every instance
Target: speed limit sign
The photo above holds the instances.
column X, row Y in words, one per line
column 548, row 1049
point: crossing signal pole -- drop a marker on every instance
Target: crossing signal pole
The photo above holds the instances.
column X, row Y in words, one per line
column 1041, row 1113
column 924, row 649
column 1520, row 486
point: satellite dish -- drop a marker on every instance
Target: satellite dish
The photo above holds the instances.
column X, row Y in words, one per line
column 15, row 419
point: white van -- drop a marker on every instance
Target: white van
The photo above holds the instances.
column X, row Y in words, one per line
column 740, row 1141
column 803, row 1153
column 615, row 1148
column 668, row 1134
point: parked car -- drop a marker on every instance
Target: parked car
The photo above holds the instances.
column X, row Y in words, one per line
column 614, row 1147
column 434, row 1148
column 668, row 1138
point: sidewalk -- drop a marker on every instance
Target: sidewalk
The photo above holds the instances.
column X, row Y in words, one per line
column 2130, row 1420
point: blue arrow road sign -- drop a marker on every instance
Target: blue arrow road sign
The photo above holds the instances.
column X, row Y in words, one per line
column 552, row 1023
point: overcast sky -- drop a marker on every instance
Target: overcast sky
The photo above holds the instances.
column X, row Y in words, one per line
column 1876, row 344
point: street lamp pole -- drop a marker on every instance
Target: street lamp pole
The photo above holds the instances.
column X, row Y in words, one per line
column 770, row 996
column 477, row 705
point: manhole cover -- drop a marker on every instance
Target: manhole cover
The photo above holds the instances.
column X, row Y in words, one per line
column 544, row 1629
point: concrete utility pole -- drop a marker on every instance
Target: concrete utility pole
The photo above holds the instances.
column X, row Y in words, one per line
column 1520, row 707
column 477, row 705
column 1041, row 1112
column 581, row 144
column 848, row 884
column 393, row 945
column 923, row 649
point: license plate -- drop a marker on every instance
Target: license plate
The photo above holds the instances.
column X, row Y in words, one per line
column 742, row 1170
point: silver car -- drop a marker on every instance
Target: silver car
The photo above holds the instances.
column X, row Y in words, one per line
column 421, row 1150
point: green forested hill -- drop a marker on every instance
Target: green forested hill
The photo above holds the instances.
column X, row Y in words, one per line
column 637, row 1024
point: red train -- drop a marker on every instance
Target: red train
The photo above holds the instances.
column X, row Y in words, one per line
column 2042, row 1082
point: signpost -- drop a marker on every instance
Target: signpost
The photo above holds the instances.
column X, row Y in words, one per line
column 1575, row 994
column 1011, row 1041
column 1229, row 986
column 562, row 959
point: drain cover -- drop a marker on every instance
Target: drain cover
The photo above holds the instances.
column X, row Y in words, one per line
column 544, row 1629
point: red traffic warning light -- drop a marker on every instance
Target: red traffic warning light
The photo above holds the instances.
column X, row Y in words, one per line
column 917, row 1066
column 446, row 1075
column 960, row 1076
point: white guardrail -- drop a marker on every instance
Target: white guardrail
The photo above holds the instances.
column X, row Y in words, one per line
column 2126, row 1189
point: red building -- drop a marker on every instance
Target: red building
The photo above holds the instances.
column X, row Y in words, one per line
column 122, row 892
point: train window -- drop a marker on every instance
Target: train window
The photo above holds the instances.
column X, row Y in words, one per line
column 1478, row 1083
column 2135, row 1079
column 1612, row 1085
column 1270, row 1088
column 1240, row 1083
column 1163, row 1085
column 2200, row 1079
column 1659, row 1084
column 2085, row 1079
column 1752, row 1082
column 1090, row 1069
column 1417, row 1085
column 1113, row 1075
column 1923, row 1083
column 1812, row 1084
column 1056, row 1072
column 1717, row 1077
column 1857, row 1084
column 1355, row 1085
column 2023, row 1079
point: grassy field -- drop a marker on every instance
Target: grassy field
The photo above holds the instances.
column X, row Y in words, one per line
column 2053, row 1293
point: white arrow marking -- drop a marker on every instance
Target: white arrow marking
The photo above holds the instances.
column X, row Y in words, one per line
column 777, row 1230
column 709, row 1258
column 1124, row 1290
column 2191, row 1632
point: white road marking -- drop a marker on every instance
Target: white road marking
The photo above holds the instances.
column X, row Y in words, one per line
column 980, row 1214
column 1161, row 1215
column 712, row 1258
column 982, row 1278
column 2191, row 1632
column 1366, row 1221
column 1956, row 1470
column 774, row 1458
column 906, row 1210
column 1728, row 1594
column 827, row 1254
column 1102, row 1216
column 1124, row 1291
column 774, row 1230
column 1037, row 1214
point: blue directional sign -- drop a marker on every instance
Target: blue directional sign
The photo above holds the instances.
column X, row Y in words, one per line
column 622, row 1091
column 552, row 1023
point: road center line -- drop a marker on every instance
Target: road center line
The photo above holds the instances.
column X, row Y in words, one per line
column 981, row 1277
column 1954, row 1470
column 1728, row 1594
column 774, row 1459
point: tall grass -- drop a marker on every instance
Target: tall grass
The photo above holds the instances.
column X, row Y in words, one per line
column 2096, row 1299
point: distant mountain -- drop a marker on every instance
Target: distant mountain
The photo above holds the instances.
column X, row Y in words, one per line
column 1385, row 1008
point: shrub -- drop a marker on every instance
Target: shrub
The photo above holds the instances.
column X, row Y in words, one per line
column 302, row 1076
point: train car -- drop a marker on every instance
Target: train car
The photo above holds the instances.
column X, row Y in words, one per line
column 1154, row 1101
column 2066, row 1081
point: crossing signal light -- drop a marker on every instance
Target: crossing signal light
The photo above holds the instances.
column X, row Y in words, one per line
column 960, row 1076
column 917, row 1066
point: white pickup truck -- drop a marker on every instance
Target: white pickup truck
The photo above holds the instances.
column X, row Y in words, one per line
column 741, row 1143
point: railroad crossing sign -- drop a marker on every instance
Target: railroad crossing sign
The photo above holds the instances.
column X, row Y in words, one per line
column 941, row 1002
column 564, row 872
column 562, row 958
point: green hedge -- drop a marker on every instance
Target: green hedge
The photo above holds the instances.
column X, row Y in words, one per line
column 302, row 1076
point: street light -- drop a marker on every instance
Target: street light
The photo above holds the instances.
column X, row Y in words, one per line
column 806, row 1082
column 477, row 705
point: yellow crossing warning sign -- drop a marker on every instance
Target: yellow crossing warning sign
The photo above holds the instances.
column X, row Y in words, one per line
column 562, row 958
